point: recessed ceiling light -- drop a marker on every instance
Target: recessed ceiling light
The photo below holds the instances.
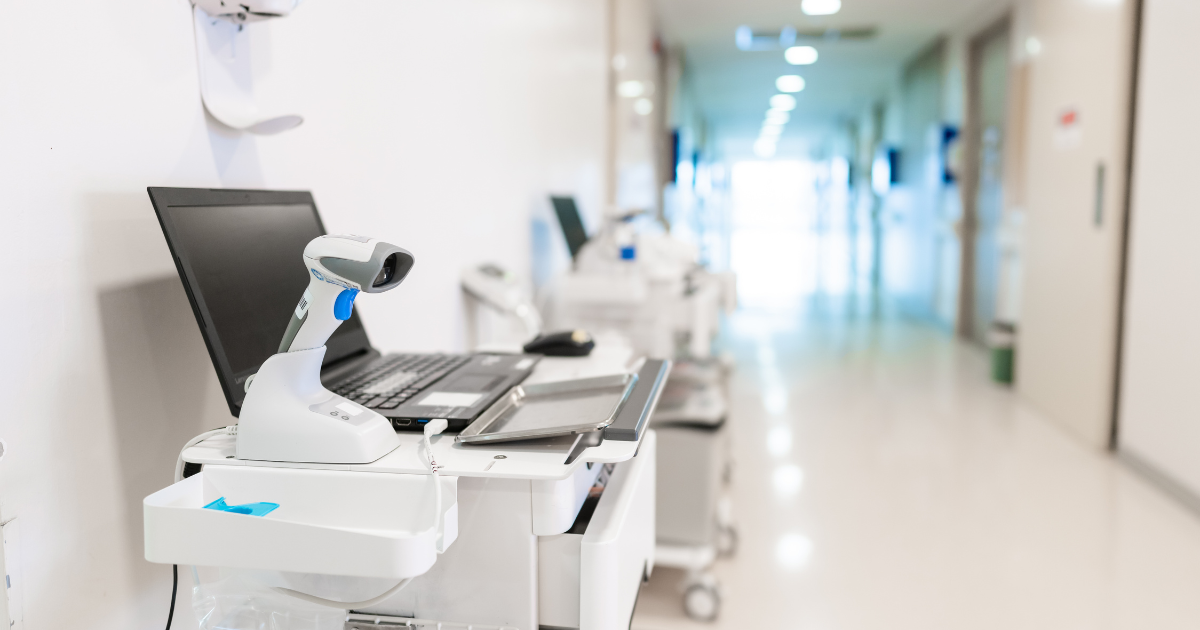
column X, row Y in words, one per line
column 800, row 55
column 764, row 148
column 820, row 7
column 630, row 89
column 770, row 131
column 785, row 102
column 778, row 117
column 643, row 106
column 789, row 83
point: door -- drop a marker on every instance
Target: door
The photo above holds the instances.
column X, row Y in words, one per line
column 1080, row 57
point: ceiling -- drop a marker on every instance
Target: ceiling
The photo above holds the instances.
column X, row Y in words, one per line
column 733, row 86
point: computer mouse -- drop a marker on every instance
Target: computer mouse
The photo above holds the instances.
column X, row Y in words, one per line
column 569, row 343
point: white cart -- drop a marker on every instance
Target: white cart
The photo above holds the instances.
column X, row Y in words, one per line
column 529, row 539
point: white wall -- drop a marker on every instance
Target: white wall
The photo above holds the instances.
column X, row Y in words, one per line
column 1158, row 415
column 436, row 125
column 637, row 137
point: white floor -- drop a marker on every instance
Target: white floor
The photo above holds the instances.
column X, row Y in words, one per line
column 883, row 482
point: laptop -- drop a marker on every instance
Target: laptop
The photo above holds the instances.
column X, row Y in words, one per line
column 238, row 253
column 571, row 224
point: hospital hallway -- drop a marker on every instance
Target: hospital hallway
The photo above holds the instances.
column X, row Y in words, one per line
column 882, row 481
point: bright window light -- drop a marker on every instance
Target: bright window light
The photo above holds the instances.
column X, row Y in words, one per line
column 764, row 148
column 800, row 55
column 778, row 117
column 630, row 89
column 790, row 83
column 821, row 7
column 881, row 175
column 643, row 106
column 785, row 102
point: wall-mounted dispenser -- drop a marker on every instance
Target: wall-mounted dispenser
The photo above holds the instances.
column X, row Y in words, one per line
column 223, row 56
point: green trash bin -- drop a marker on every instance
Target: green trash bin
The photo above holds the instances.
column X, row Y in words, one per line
column 1003, row 342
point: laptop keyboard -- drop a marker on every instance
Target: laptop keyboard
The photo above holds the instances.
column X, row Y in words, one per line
column 389, row 382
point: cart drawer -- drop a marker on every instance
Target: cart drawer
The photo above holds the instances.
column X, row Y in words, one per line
column 323, row 521
column 590, row 580
column 556, row 503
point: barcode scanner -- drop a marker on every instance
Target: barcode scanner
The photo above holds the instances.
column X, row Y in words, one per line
column 339, row 268
column 288, row 415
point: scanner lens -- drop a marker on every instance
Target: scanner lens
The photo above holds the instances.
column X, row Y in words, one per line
column 387, row 273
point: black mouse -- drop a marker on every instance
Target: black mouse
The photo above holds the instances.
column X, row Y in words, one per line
column 569, row 343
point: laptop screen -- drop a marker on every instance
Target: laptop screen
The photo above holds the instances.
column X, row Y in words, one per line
column 242, row 265
column 572, row 224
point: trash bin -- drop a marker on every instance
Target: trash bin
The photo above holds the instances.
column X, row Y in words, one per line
column 1003, row 340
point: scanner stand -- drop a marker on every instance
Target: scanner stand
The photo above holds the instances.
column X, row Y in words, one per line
column 289, row 416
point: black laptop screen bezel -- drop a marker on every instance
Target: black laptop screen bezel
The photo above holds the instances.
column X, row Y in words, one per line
column 571, row 223
column 347, row 342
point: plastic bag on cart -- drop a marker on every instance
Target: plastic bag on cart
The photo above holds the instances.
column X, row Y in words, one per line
column 235, row 600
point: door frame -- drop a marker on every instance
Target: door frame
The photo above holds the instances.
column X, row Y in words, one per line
column 968, row 187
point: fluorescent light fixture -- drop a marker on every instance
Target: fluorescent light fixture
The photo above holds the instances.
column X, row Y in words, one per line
column 800, row 55
column 820, row 7
column 764, row 148
column 789, row 83
column 778, row 117
column 770, row 131
column 630, row 89
column 784, row 102
column 643, row 106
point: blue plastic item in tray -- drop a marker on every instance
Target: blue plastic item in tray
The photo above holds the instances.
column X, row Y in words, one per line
column 250, row 509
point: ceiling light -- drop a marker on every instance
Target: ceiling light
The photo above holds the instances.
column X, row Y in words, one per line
column 630, row 89
column 785, row 102
column 789, row 83
column 800, row 55
column 778, row 117
column 820, row 7
column 770, row 131
column 764, row 148
column 643, row 106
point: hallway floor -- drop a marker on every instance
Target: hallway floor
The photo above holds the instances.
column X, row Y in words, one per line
column 883, row 482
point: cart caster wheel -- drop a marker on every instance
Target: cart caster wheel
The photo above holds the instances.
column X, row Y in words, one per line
column 702, row 602
column 727, row 541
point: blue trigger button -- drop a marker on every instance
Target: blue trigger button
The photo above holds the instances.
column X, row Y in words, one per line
column 344, row 304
